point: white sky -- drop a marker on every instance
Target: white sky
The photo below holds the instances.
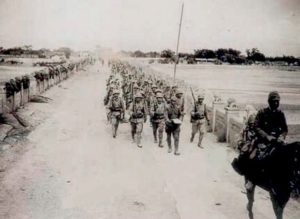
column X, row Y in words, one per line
column 271, row 25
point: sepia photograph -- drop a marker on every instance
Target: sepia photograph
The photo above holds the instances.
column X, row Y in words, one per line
column 149, row 109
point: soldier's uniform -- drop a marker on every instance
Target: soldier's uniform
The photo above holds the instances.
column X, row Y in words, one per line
column 108, row 95
column 172, row 125
column 246, row 146
column 138, row 116
column 117, row 109
column 198, row 118
column 270, row 126
column 158, row 116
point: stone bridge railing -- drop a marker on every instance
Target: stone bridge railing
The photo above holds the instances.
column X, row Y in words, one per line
column 18, row 91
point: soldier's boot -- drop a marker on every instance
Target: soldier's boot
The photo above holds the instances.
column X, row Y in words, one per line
column 138, row 139
column 192, row 137
column 155, row 138
column 133, row 136
column 114, row 131
column 201, row 135
column 169, row 143
column 176, row 152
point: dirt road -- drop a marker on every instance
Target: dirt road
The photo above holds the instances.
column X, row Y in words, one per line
column 73, row 168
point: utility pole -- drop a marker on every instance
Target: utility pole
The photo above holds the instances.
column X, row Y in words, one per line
column 176, row 54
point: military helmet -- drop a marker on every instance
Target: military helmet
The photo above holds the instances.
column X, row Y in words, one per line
column 154, row 86
column 179, row 91
column 138, row 95
column 274, row 95
column 159, row 95
column 200, row 96
column 173, row 98
column 116, row 92
column 158, row 91
column 251, row 118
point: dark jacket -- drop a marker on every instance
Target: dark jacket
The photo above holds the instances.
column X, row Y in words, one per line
column 270, row 122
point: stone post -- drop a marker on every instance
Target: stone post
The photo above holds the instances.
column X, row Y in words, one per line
column 229, row 113
column 216, row 105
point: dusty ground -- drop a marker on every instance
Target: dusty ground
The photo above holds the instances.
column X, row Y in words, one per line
column 71, row 167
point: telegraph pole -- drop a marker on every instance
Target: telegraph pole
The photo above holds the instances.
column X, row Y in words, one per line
column 176, row 54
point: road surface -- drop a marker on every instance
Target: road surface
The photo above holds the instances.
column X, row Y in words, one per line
column 71, row 167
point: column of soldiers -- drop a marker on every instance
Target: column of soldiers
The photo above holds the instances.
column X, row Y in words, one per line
column 132, row 92
column 17, row 90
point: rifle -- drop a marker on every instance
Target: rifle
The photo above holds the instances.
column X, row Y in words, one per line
column 193, row 95
column 194, row 102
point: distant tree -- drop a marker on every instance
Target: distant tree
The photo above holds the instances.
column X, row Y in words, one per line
column 27, row 47
column 240, row 60
column 139, row 54
column 185, row 55
column 65, row 50
column 234, row 52
column 288, row 59
column 220, row 53
column 152, row 54
column 167, row 53
column 13, row 51
column 255, row 55
column 231, row 59
column 204, row 53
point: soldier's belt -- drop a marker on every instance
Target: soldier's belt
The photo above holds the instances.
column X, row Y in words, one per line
column 137, row 116
column 158, row 116
column 198, row 117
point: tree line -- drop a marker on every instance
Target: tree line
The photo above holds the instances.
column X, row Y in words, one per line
column 40, row 53
column 222, row 55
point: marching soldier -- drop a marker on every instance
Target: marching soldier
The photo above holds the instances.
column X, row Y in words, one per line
column 246, row 146
column 158, row 115
column 173, row 122
column 138, row 116
column 198, row 117
column 116, row 111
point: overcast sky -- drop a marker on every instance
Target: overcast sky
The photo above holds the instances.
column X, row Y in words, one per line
column 270, row 25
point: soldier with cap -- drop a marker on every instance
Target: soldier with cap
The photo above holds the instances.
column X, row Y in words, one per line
column 116, row 111
column 173, row 123
column 270, row 125
column 138, row 115
column 158, row 116
column 198, row 118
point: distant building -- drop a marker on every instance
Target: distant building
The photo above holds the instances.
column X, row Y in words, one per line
column 203, row 60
